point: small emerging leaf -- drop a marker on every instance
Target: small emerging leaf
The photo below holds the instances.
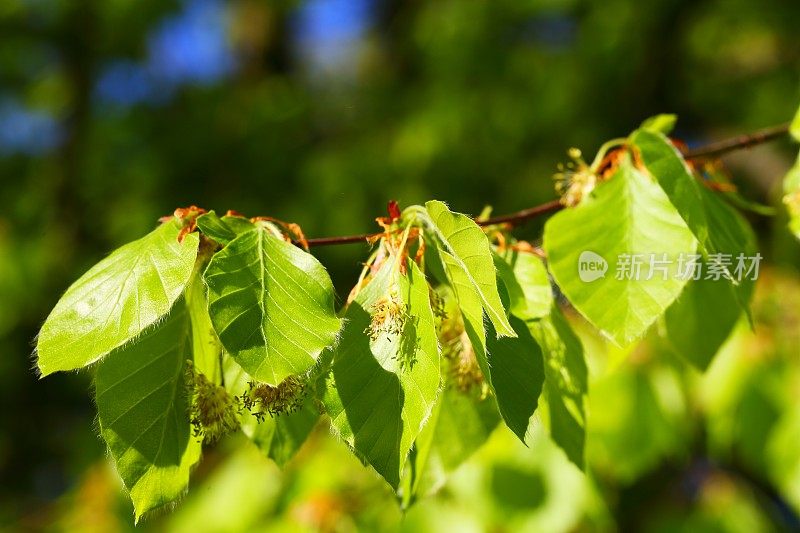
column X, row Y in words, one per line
column 664, row 123
column 223, row 229
column 794, row 127
column 791, row 190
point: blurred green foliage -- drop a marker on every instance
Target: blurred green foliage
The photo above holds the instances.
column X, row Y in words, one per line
column 467, row 101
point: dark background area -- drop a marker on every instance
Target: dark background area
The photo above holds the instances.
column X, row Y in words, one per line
column 115, row 112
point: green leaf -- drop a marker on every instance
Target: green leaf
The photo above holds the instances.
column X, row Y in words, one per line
column 565, row 376
column 470, row 306
column 511, row 365
column 794, row 127
column 460, row 423
column 732, row 236
column 142, row 412
column 660, row 123
column 516, row 376
column 566, row 383
column 666, row 165
column 224, row 229
column 205, row 343
column 627, row 216
column 281, row 437
column 377, row 405
column 272, row 305
column 468, row 247
column 525, row 278
column 716, row 226
column 701, row 319
column 117, row 299
column 791, row 191
column 278, row 437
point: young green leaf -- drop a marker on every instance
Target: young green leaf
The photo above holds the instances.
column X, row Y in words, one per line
column 734, row 239
column 282, row 436
column 527, row 284
column 117, row 299
column 142, row 412
column 702, row 318
column 716, row 226
column 663, row 161
column 223, row 229
column 565, row 383
column 271, row 304
column 468, row 247
column 277, row 436
column 205, row 344
column 470, row 306
column 512, row 366
column 516, row 376
column 794, row 127
column 791, row 191
column 664, row 123
column 623, row 222
column 460, row 423
column 382, row 390
column 565, row 379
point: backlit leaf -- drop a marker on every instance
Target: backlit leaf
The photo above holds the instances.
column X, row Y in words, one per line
column 142, row 412
column 624, row 218
column 381, row 391
column 565, row 383
column 664, row 123
column 205, row 344
column 468, row 247
column 272, row 305
column 516, row 375
column 117, row 299
column 460, row 423
column 717, row 227
column 525, row 278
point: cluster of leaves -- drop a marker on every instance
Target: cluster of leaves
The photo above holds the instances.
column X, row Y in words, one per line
column 451, row 328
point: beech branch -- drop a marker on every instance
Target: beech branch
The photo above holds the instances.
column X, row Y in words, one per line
column 708, row 151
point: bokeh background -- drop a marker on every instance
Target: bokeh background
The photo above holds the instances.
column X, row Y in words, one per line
column 114, row 112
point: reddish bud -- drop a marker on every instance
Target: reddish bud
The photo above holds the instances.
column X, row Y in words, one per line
column 394, row 210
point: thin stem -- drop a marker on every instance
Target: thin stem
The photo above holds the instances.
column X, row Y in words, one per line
column 702, row 152
column 524, row 215
column 737, row 143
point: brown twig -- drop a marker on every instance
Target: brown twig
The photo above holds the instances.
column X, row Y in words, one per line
column 702, row 152
column 737, row 143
